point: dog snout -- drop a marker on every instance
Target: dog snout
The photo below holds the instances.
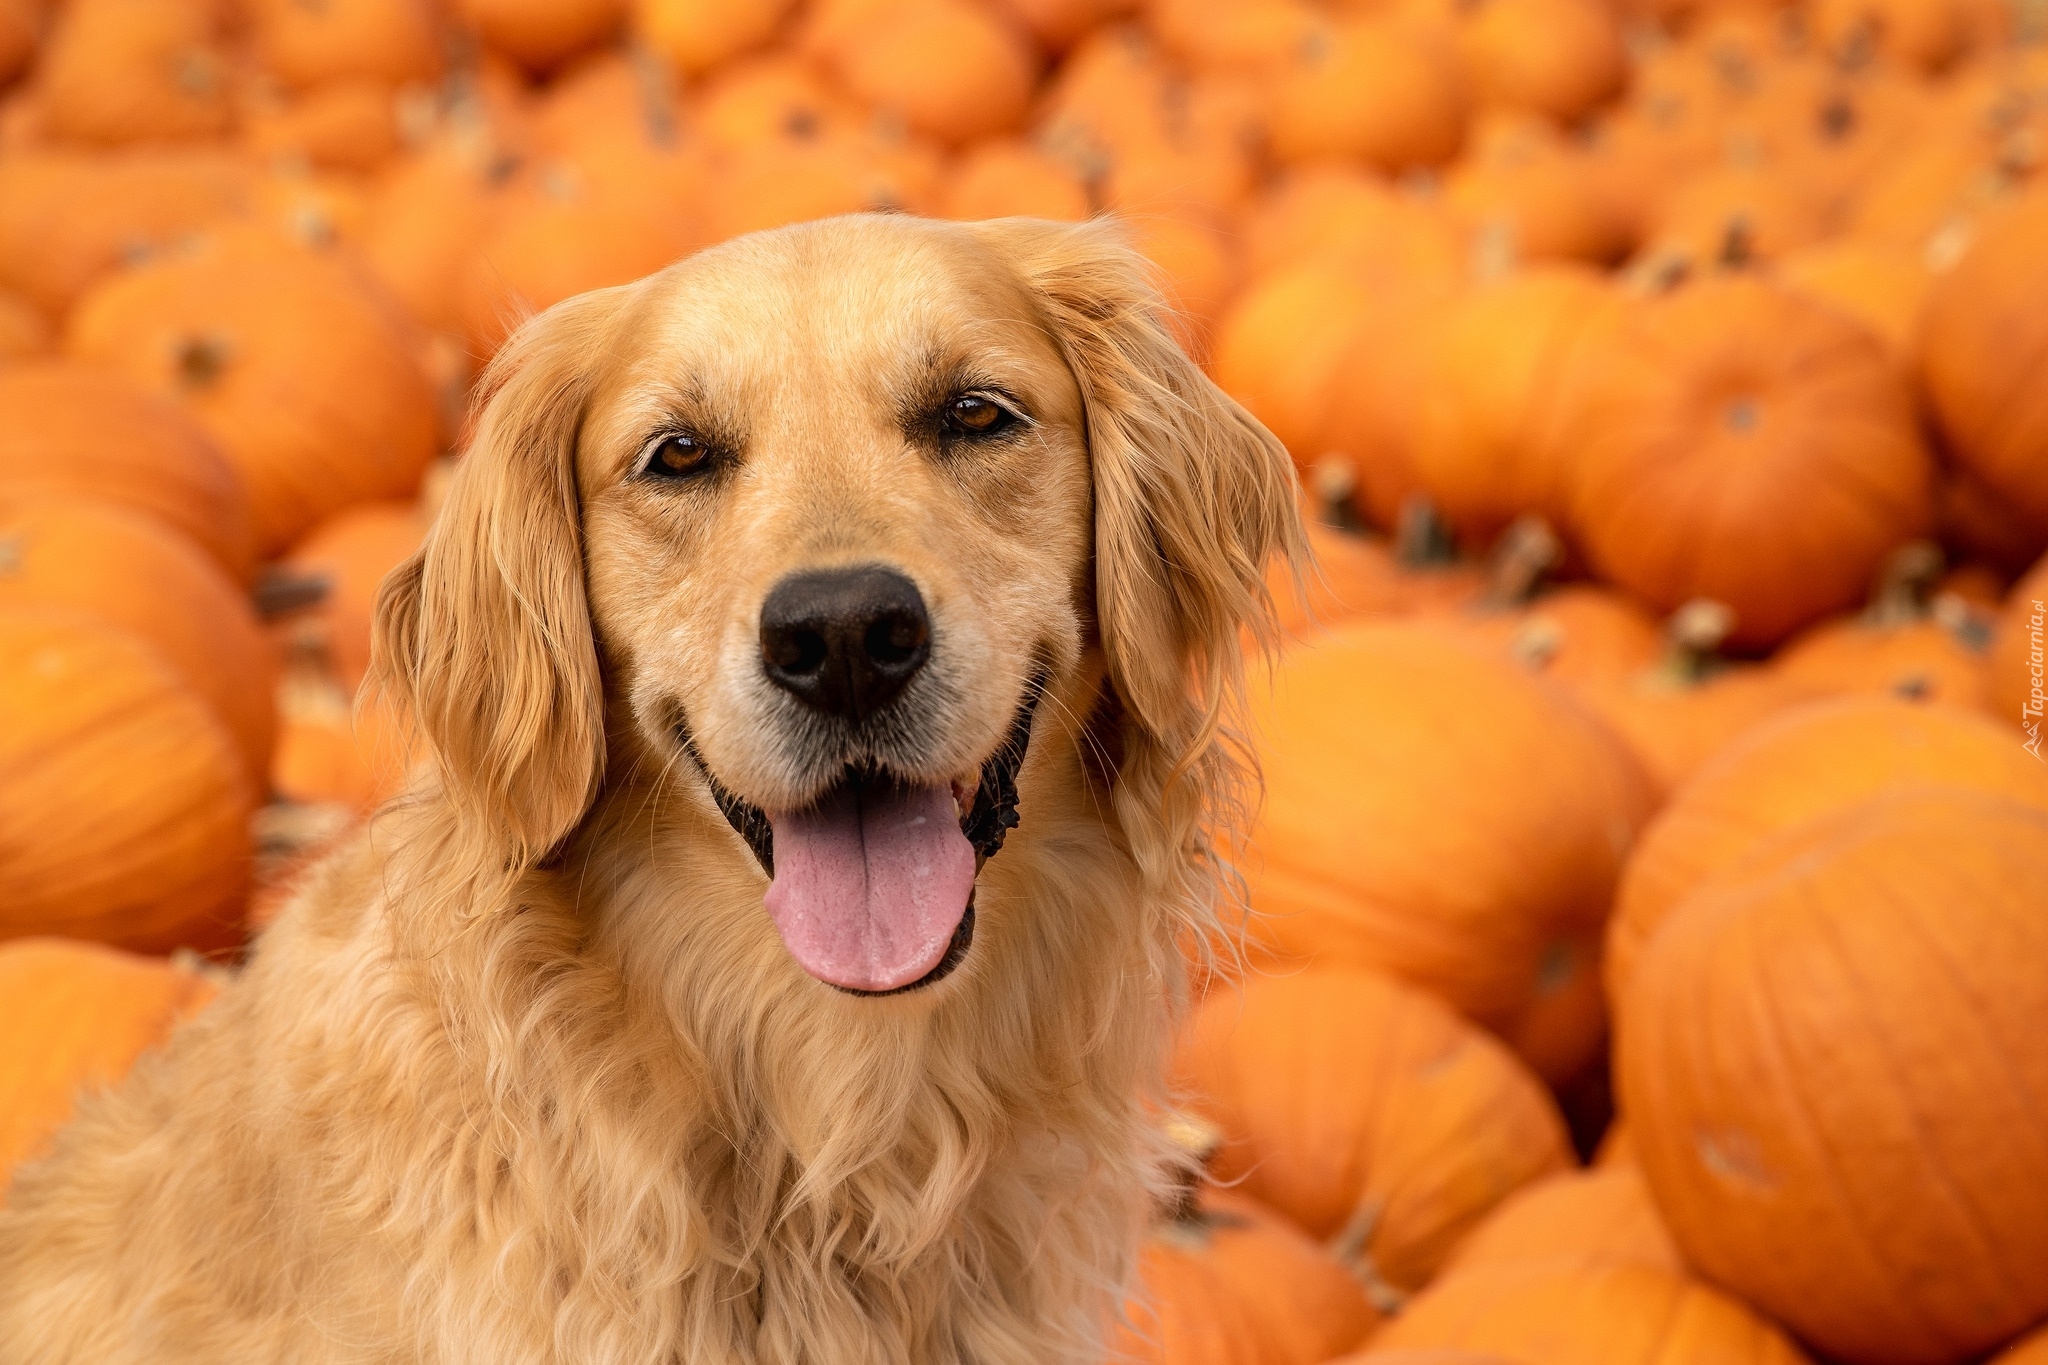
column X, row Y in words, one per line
column 844, row 641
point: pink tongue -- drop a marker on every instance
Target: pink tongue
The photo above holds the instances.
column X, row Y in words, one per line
column 870, row 883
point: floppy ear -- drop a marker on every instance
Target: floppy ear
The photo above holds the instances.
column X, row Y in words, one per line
column 484, row 635
column 1193, row 497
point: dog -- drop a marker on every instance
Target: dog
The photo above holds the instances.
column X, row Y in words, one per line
column 826, row 663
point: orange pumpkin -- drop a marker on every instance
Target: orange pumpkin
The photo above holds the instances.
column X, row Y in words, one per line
column 1577, row 1218
column 1369, row 1114
column 302, row 371
column 1343, row 212
column 1228, row 1283
column 2016, row 671
column 541, row 35
column 949, row 69
column 1558, row 58
column 1881, row 287
column 73, row 430
column 799, row 179
column 766, row 98
column 1196, row 268
column 1980, row 524
column 351, row 553
column 1356, row 576
column 1740, row 443
column 127, row 570
column 1804, row 764
column 333, row 753
column 1830, row 1060
column 1437, row 813
column 1738, row 213
column 67, row 219
column 424, row 218
column 21, row 23
column 1909, row 640
column 1377, row 87
column 349, row 125
column 78, row 1016
column 2029, row 1350
column 1282, row 349
column 695, row 35
column 1524, row 192
column 387, row 42
column 1579, row 635
column 1059, row 24
column 23, row 332
column 1585, row 1315
column 1258, row 36
column 1488, row 445
column 1927, row 35
column 1983, row 343
column 117, row 71
column 1006, row 178
column 124, row 807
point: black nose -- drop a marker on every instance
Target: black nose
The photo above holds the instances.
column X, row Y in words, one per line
column 844, row 640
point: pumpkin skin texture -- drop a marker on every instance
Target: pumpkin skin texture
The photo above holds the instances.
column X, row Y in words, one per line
column 2016, row 673
column 1371, row 739
column 1366, row 1112
column 120, row 71
column 1738, row 442
column 1378, row 88
column 389, row 41
column 1927, row 659
column 1486, row 449
column 124, row 808
column 2032, row 1350
column 424, row 218
column 1558, row 58
column 76, row 431
column 1983, row 346
column 541, row 35
column 302, row 371
column 1830, row 1057
column 1811, row 761
column 1236, row 1285
column 1577, row 1218
column 1599, row 1315
column 1006, row 178
column 121, row 568
column 1884, row 288
column 950, row 70
column 353, row 551
column 78, row 1015
column 696, row 35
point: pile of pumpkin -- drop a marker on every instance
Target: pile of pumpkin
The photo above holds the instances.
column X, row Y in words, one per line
column 1654, row 753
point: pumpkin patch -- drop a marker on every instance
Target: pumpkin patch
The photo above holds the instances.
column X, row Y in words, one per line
column 1637, row 953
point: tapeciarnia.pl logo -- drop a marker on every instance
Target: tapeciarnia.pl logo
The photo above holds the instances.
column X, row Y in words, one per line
column 2030, row 710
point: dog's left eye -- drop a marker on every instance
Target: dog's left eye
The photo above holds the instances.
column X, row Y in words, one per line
column 969, row 415
column 678, row 457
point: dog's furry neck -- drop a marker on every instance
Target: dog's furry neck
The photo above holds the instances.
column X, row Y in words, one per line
column 716, row 1155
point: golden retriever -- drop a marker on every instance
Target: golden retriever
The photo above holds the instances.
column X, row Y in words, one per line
column 693, row 1005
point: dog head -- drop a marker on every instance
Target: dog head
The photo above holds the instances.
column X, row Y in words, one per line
column 817, row 517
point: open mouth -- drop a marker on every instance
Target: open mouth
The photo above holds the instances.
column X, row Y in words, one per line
column 872, row 885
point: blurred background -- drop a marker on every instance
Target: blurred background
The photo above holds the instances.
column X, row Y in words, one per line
column 1669, row 385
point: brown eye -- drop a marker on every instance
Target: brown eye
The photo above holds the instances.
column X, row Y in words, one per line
column 976, row 416
column 679, row 457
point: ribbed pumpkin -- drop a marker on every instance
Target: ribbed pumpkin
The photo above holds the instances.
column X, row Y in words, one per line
column 949, row 69
column 1740, row 443
column 1378, row 88
column 126, row 570
column 74, row 430
column 1524, row 192
column 352, row 552
column 309, row 42
column 695, row 35
column 1558, row 58
column 66, row 219
column 541, row 35
column 1196, row 268
column 1282, row 349
column 124, row 807
column 1369, row 1114
column 1736, row 214
column 1437, row 813
column 78, row 1015
column 1358, row 576
column 1983, row 343
column 117, row 71
column 1830, row 1057
column 1804, row 764
column 1005, row 178
column 1592, row 1315
column 2016, row 668
column 344, row 125
column 1910, row 641
column 773, row 96
column 302, row 371
column 1579, row 635
column 1881, row 287
column 1228, row 1283
column 330, row 752
column 426, row 214
column 1347, row 215
column 1489, row 439
column 1578, row 1218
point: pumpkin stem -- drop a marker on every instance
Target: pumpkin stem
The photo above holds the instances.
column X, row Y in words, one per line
column 1738, row 243
column 1422, row 539
column 200, row 361
column 1349, row 1248
column 1333, row 485
column 1195, row 1142
column 1905, row 585
column 1521, row 562
column 1693, row 637
column 281, row 590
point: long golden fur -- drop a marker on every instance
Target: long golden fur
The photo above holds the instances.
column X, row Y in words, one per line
column 524, row 1074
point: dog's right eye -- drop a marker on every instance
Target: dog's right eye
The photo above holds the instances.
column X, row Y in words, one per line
column 678, row 456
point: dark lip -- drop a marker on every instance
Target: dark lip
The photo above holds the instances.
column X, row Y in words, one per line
column 986, row 823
